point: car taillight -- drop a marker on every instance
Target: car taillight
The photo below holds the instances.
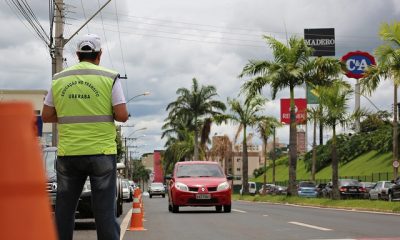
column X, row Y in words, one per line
column 342, row 189
column 361, row 189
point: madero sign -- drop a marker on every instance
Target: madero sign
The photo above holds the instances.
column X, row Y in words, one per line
column 322, row 40
column 300, row 109
column 356, row 63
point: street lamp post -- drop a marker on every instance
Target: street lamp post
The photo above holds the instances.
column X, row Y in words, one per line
column 143, row 94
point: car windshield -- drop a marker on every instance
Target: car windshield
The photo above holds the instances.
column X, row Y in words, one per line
column 199, row 170
column 306, row 184
column 388, row 185
column 157, row 185
column 49, row 158
column 349, row 182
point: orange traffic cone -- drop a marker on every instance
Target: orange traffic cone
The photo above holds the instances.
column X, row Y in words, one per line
column 24, row 202
column 137, row 212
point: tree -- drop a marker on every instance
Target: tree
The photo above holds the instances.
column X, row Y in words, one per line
column 314, row 115
column 222, row 149
column 334, row 101
column 245, row 115
column 290, row 68
column 194, row 105
column 266, row 128
column 388, row 67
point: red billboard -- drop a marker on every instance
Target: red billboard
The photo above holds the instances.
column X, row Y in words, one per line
column 300, row 109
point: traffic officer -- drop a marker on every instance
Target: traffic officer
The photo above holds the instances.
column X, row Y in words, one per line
column 84, row 101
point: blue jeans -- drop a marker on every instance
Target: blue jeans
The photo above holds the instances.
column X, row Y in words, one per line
column 72, row 172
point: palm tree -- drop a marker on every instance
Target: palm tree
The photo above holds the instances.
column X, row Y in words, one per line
column 388, row 67
column 222, row 149
column 286, row 70
column 334, row 101
column 314, row 115
column 266, row 128
column 195, row 105
column 246, row 115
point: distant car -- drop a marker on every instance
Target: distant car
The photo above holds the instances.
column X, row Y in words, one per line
column 320, row 189
column 394, row 191
column 156, row 188
column 278, row 190
column 126, row 190
column 380, row 190
column 307, row 189
column 252, row 188
column 367, row 186
column 348, row 188
column 199, row 183
column 268, row 188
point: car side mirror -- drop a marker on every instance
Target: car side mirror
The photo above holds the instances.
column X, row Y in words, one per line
column 229, row 177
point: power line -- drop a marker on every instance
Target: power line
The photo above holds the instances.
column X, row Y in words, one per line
column 105, row 37
column 84, row 15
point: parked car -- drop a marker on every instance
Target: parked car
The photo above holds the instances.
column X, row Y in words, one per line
column 268, row 188
column 320, row 189
column 278, row 190
column 199, row 183
column 84, row 208
column 156, row 188
column 307, row 189
column 126, row 190
column 380, row 190
column 348, row 188
column 367, row 186
column 394, row 191
column 252, row 188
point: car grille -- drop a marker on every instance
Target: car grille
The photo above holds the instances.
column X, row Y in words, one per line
column 202, row 201
column 196, row 189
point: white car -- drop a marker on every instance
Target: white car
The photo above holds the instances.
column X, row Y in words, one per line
column 252, row 188
column 126, row 191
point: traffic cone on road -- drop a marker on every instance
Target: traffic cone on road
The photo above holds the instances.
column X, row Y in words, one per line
column 137, row 212
column 24, row 202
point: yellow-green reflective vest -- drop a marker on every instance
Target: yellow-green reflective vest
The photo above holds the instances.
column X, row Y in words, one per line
column 82, row 96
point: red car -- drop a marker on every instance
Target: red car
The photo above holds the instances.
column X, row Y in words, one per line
column 199, row 183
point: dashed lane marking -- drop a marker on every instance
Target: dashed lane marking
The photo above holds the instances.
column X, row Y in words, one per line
column 310, row 226
column 236, row 210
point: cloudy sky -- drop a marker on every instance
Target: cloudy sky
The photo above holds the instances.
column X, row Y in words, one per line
column 162, row 44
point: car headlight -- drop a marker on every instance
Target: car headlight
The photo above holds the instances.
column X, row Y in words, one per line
column 223, row 186
column 181, row 186
column 86, row 187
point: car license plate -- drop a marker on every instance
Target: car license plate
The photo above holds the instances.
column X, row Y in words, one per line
column 203, row 196
column 352, row 190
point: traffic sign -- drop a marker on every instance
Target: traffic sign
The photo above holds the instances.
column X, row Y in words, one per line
column 356, row 63
column 396, row 164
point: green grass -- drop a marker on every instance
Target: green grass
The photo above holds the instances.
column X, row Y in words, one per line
column 366, row 164
column 356, row 204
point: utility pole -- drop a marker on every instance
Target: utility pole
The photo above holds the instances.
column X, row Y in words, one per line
column 59, row 43
column 57, row 51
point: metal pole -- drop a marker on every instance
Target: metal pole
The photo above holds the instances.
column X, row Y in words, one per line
column 357, row 105
column 57, row 60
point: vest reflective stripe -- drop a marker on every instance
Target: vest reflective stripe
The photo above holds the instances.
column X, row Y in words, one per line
column 85, row 72
column 85, row 119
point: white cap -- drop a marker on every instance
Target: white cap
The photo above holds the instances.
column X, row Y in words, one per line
column 89, row 43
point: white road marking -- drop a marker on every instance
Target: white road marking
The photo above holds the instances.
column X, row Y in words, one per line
column 236, row 210
column 265, row 215
column 311, row 226
column 125, row 223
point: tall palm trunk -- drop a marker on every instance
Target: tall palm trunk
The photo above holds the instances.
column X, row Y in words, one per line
column 245, row 179
column 273, row 157
column 265, row 167
column 292, row 190
column 196, row 142
column 314, row 150
column 395, row 133
column 335, row 167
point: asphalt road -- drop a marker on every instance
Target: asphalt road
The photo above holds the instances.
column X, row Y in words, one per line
column 252, row 221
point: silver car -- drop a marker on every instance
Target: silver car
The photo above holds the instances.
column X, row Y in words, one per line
column 156, row 188
column 380, row 190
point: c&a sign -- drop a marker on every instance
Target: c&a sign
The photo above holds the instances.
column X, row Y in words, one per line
column 356, row 63
column 300, row 110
